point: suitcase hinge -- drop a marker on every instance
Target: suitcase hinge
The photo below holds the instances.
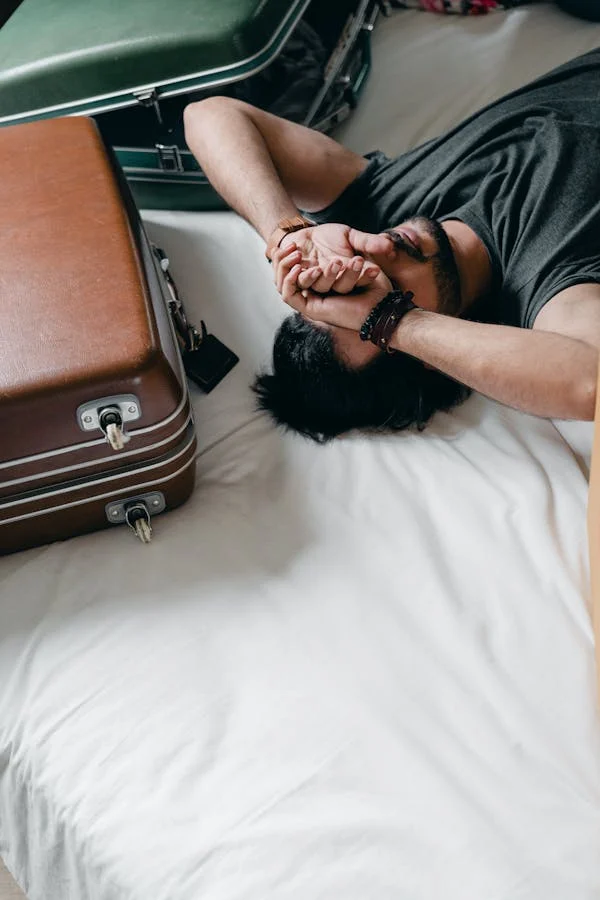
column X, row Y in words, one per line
column 169, row 157
column 188, row 337
column 206, row 359
column 149, row 99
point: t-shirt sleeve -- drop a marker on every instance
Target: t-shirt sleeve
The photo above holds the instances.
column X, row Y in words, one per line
column 536, row 293
column 356, row 205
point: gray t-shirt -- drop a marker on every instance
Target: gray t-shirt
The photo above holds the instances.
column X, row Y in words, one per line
column 523, row 173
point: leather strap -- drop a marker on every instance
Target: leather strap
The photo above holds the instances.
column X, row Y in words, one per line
column 284, row 227
column 382, row 321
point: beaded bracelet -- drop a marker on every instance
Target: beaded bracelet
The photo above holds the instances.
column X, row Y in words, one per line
column 384, row 318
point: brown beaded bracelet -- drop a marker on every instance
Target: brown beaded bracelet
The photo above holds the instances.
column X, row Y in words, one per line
column 382, row 321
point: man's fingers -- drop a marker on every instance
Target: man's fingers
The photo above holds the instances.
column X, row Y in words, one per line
column 324, row 284
column 368, row 275
column 289, row 288
column 371, row 244
column 280, row 252
column 283, row 265
column 348, row 277
column 308, row 277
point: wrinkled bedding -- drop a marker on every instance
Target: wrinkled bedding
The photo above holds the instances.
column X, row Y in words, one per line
column 363, row 670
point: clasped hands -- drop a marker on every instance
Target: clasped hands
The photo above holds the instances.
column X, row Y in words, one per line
column 333, row 273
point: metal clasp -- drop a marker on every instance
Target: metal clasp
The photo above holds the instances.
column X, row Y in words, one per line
column 138, row 519
column 169, row 157
column 111, row 423
column 109, row 415
column 136, row 512
column 149, row 98
column 189, row 338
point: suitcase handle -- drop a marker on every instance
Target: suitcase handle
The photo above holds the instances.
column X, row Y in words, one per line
column 206, row 359
column 188, row 337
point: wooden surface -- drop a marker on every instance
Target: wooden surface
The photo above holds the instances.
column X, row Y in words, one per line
column 8, row 889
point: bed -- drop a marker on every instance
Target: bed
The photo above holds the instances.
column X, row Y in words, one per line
column 363, row 670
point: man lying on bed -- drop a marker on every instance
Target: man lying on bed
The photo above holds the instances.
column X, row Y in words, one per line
column 496, row 238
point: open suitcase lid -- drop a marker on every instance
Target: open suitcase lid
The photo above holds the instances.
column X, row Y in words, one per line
column 72, row 57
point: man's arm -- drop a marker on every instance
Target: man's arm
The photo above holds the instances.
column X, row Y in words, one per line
column 540, row 372
column 549, row 371
column 264, row 167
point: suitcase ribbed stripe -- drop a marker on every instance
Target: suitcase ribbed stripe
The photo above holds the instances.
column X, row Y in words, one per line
column 119, row 476
column 124, row 455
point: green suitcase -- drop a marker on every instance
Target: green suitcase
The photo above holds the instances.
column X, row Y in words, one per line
column 134, row 65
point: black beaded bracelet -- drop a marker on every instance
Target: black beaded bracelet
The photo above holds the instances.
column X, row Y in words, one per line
column 367, row 326
column 384, row 318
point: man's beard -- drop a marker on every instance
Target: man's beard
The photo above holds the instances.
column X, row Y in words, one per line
column 445, row 270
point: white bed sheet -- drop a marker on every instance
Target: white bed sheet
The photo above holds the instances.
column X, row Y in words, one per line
column 356, row 671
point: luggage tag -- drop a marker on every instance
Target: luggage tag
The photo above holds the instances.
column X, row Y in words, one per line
column 206, row 359
column 209, row 361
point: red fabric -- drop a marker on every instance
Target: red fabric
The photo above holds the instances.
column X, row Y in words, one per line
column 462, row 7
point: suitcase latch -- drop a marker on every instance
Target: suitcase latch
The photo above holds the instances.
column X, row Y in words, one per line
column 169, row 157
column 149, row 99
column 137, row 512
column 109, row 415
column 206, row 359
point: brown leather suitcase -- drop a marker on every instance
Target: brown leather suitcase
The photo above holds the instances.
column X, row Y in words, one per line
column 96, row 425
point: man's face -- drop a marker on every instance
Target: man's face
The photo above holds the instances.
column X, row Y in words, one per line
column 425, row 265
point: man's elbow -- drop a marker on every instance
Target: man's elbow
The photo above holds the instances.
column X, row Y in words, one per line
column 195, row 114
column 584, row 400
column 204, row 113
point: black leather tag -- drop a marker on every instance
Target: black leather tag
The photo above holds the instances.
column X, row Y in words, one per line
column 209, row 363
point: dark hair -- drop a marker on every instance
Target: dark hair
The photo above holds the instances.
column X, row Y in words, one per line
column 311, row 391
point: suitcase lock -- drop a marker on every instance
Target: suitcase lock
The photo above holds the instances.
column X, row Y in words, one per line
column 138, row 519
column 111, row 423
column 135, row 512
column 109, row 414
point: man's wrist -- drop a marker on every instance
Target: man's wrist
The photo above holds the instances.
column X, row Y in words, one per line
column 294, row 237
column 385, row 318
column 285, row 227
column 403, row 338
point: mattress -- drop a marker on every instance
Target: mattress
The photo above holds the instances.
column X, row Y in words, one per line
column 362, row 670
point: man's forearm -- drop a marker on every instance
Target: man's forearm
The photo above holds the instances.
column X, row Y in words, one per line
column 539, row 372
column 234, row 156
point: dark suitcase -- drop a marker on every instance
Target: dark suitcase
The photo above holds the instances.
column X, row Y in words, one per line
column 95, row 414
column 135, row 65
